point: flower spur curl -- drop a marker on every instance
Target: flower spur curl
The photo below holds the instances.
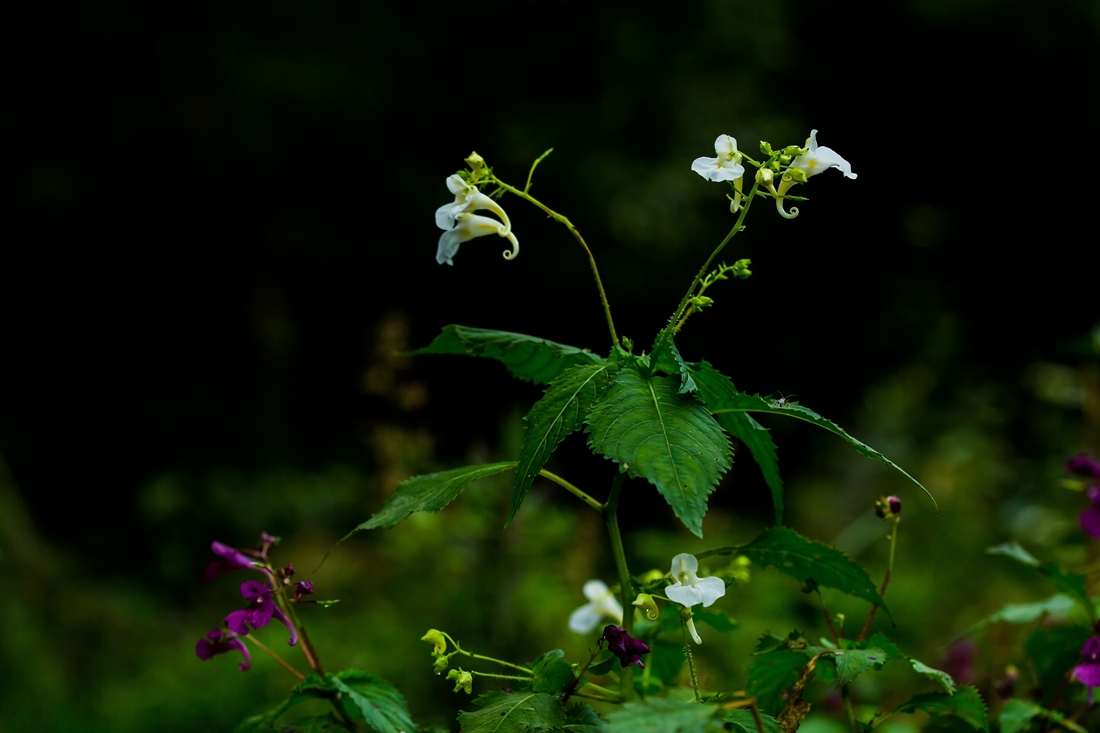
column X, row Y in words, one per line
column 460, row 225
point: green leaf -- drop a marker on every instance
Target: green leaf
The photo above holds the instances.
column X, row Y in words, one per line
column 744, row 722
column 878, row 640
column 667, row 659
column 966, row 704
column 552, row 672
column 671, row 363
column 1072, row 584
column 670, row 439
column 800, row 558
column 946, row 680
column 716, row 619
column 429, row 493
column 321, row 724
column 756, row 438
column 1025, row 613
column 526, row 357
column 851, row 663
column 582, row 719
column 772, row 674
column 515, row 713
column 1055, row 650
column 561, row 411
column 661, row 715
column 722, row 397
column 311, row 688
column 604, row 665
column 382, row 706
column 1016, row 551
column 1018, row 713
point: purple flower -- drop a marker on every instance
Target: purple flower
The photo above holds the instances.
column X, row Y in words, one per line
column 1083, row 465
column 1088, row 671
column 1090, row 518
column 229, row 559
column 305, row 588
column 259, row 612
column 624, row 646
column 220, row 641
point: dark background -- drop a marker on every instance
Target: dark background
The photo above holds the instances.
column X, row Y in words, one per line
column 221, row 229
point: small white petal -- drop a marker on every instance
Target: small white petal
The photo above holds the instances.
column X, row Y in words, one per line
column 725, row 145
column 811, row 141
column 710, row 590
column 596, row 589
column 585, row 619
column 445, row 215
column 693, row 632
column 448, row 246
column 704, row 166
column 456, row 185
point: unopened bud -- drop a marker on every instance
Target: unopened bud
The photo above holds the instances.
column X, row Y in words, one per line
column 476, row 163
column 887, row 507
column 645, row 602
column 764, row 176
column 701, row 301
column 765, row 148
column 440, row 663
column 463, row 680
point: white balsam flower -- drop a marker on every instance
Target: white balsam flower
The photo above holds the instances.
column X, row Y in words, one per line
column 601, row 604
column 726, row 166
column 690, row 590
column 471, row 226
column 817, row 159
column 467, row 198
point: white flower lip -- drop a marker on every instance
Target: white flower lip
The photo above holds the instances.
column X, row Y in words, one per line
column 726, row 166
column 818, row 159
column 601, row 604
column 689, row 589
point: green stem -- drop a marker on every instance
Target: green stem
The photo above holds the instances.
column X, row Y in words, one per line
column 286, row 665
column 500, row 676
column 626, row 588
column 307, row 644
column 603, row 690
column 597, row 698
column 572, row 490
column 885, row 582
column 691, row 662
column 501, row 662
column 577, row 235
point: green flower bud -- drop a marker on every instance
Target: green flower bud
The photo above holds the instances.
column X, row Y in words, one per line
column 436, row 637
column 764, row 176
column 701, row 301
column 785, row 159
column 793, row 150
column 795, row 174
column 645, row 602
column 440, row 663
column 765, row 148
column 463, row 680
column 476, row 163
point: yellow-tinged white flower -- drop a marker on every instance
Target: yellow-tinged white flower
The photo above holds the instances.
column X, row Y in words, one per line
column 818, row 158
column 470, row 226
column 467, row 198
column 726, row 166
column 601, row 604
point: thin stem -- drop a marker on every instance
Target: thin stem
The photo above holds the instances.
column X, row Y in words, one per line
column 500, row 676
column 572, row 490
column 603, row 690
column 533, row 166
column 756, row 717
column 691, row 662
column 580, row 673
column 307, row 644
column 597, row 698
column 851, row 711
column 501, row 662
column 577, row 235
column 273, row 655
column 828, row 619
column 626, row 588
column 885, row 582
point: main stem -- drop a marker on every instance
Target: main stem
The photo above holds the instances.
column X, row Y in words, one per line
column 626, row 593
column 576, row 234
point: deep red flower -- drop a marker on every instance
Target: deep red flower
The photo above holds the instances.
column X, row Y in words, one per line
column 624, row 646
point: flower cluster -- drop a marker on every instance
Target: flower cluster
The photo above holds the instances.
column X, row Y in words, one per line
column 460, row 224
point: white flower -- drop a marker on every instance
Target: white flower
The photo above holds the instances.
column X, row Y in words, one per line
column 601, row 603
column 818, row 159
column 467, row 227
column 726, row 166
column 690, row 589
column 467, row 198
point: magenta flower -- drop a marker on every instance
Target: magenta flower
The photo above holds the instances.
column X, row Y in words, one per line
column 305, row 588
column 1089, row 468
column 1083, row 465
column 1088, row 671
column 624, row 646
column 220, row 641
column 259, row 612
column 229, row 559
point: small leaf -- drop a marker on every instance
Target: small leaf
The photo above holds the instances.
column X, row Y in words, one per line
column 552, row 673
column 671, row 363
column 516, row 713
column 526, row 357
column 851, row 663
column 966, row 704
column 668, row 438
column 772, row 674
column 661, row 715
column 946, row 680
column 722, row 397
column 1072, row 584
column 744, row 722
column 561, row 411
column 382, row 706
column 1018, row 713
column 878, row 640
column 801, row 558
column 1016, row 551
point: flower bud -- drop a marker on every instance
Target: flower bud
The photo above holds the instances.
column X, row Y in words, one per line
column 888, row 507
column 645, row 602
column 701, row 301
column 765, row 148
column 440, row 663
column 764, row 176
column 795, row 174
column 436, row 637
column 785, row 159
column 463, row 680
column 476, row 163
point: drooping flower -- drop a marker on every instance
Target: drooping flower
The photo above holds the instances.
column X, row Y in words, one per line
column 467, row 198
column 690, row 590
column 259, row 612
column 435, row 637
column 725, row 166
column 460, row 224
column 1088, row 671
column 818, row 159
column 601, row 603
column 220, row 641
column 624, row 646
column 229, row 559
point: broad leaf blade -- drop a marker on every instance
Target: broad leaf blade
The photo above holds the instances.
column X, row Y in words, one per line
column 851, row 663
column 1058, row 604
column 516, row 713
column 382, row 706
column 661, row 715
column 312, row 687
column 561, row 411
column 582, row 719
column 671, row 363
column 552, row 673
column 668, row 438
column 946, row 680
column 320, row 724
column 1071, row 584
column 722, row 397
column 966, row 704
column 756, row 438
column 429, row 492
column 801, row 558
column 526, row 357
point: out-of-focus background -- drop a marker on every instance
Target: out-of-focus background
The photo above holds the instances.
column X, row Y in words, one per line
column 221, row 237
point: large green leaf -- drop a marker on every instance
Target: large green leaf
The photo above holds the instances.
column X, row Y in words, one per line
column 722, row 397
column 670, row 439
column 561, row 411
column 581, row 718
column 661, row 715
column 382, row 706
column 756, row 438
column 879, row 641
column 516, row 713
column 552, row 673
column 1072, row 584
column 526, row 357
column 966, row 704
column 801, row 558
column 428, row 493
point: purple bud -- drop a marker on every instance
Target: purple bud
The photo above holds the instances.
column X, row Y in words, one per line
column 1084, row 465
column 624, row 646
column 305, row 588
column 288, row 570
column 895, row 505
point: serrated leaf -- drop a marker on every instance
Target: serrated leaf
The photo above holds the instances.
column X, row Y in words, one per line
column 552, row 673
column 382, row 706
column 606, row 662
column 663, row 436
column 801, row 558
column 515, row 713
column 966, row 704
column 661, row 715
column 1017, row 714
column 851, row 663
column 722, row 397
column 945, row 680
column 320, row 724
column 744, row 722
column 757, row 439
column 772, row 674
column 1072, row 584
column 526, row 357
column 670, row 362
column 716, row 619
column 429, row 492
column 1025, row 613
column 580, row 718
column 878, row 640
column 561, row 411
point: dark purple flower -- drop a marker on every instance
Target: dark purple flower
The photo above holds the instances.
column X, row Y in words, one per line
column 1090, row 518
column 1088, row 671
column 229, row 559
column 259, row 612
column 1083, row 465
column 624, row 646
column 220, row 641
column 895, row 505
column 305, row 588
column 959, row 662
